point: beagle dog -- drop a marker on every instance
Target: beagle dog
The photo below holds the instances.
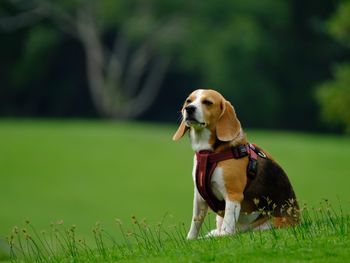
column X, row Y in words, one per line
column 265, row 201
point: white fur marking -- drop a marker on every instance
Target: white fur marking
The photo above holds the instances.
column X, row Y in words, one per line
column 199, row 134
column 218, row 184
column 248, row 218
column 198, row 114
column 194, row 169
column 232, row 211
column 245, row 221
column 197, row 103
column 216, row 232
column 200, row 209
column 265, row 226
column 200, row 139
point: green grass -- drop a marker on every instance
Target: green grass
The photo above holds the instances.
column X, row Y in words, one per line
column 322, row 236
column 82, row 172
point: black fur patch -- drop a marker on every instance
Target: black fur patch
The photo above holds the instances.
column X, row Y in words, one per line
column 270, row 190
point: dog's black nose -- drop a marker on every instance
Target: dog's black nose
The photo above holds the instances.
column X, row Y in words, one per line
column 190, row 109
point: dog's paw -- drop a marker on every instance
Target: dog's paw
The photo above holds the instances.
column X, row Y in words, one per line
column 191, row 237
column 213, row 233
column 227, row 233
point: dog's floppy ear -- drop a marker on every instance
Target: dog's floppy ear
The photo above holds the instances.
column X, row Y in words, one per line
column 228, row 126
column 180, row 131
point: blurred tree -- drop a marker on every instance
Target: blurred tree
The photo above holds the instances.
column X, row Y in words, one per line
column 123, row 77
column 128, row 46
column 234, row 45
column 334, row 95
column 264, row 55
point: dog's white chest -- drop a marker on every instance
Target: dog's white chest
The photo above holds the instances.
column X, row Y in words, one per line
column 200, row 140
column 218, row 184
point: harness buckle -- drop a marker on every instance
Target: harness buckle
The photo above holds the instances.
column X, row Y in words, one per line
column 243, row 150
column 239, row 151
column 252, row 168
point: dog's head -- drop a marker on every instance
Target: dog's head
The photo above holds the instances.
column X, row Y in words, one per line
column 208, row 109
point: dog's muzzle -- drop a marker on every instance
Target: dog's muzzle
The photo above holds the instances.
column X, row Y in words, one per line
column 190, row 118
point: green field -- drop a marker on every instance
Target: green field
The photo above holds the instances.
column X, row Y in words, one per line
column 83, row 172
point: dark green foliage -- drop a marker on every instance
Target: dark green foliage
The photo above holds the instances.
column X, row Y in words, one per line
column 264, row 56
column 339, row 24
column 334, row 95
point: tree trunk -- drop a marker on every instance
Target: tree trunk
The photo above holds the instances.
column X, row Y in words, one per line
column 119, row 89
column 113, row 97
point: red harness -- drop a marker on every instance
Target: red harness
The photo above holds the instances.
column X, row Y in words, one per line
column 207, row 162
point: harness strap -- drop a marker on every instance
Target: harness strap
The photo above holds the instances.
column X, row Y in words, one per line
column 237, row 152
column 207, row 162
column 253, row 162
column 204, row 174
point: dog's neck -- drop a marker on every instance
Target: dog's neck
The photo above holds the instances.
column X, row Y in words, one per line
column 205, row 139
column 201, row 139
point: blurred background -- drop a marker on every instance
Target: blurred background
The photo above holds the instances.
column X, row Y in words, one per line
column 138, row 59
column 91, row 92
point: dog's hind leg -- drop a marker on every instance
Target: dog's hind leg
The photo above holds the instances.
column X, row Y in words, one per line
column 219, row 220
column 216, row 232
column 284, row 221
column 267, row 225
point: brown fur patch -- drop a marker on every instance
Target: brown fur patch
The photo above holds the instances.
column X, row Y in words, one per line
column 235, row 178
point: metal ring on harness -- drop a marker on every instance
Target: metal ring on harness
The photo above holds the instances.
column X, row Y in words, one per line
column 262, row 154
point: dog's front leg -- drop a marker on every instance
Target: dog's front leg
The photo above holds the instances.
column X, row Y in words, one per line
column 232, row 210
column 200, row 209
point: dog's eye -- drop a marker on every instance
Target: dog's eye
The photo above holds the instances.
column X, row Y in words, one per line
column 188, row 101
column 207, row 102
